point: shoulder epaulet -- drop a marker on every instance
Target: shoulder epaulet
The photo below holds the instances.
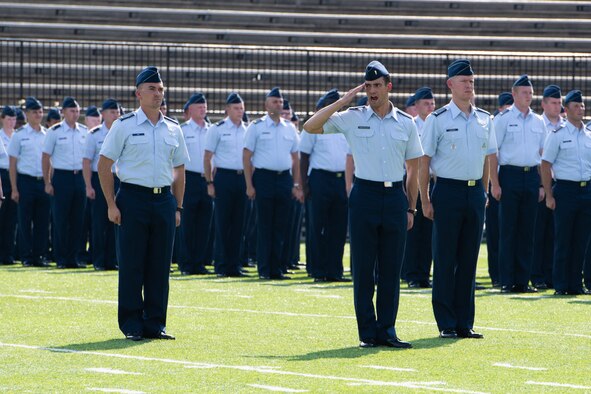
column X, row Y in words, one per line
column 173, row 120
column 504, row 112
column 127, row 116
column 483, row 111
column 560, row 127
column 56, row 126
column 439, row 111
column 185, row 123
column 95, row 129
column 358, row 108
column 404, row 114
column 82, row 126
column 19, row 129
column 259, row 120
column 221, row 122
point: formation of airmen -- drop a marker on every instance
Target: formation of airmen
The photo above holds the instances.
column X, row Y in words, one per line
column 412, row 187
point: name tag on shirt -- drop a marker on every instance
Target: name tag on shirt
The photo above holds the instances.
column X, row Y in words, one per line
column 363, row 127
column 266, row 135
column 450, row 130
column 567, row 144
column 226, row 137
column 138, row 138
column 62, row 140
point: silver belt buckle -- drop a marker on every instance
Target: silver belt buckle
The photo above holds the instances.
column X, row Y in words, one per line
column 471, row 183
column 387, row 184
column 584, row 183
column 157, row 190
column 526, row 169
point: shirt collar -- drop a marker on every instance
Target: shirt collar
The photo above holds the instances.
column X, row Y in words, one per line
column 369, row 112
column 270, row 123
column 519, row 113
column 141, row 117
column 572, row 128
column 456, row 111
column 548, row 122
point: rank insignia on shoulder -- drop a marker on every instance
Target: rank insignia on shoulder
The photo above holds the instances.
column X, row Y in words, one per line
column 504, row 112
column 221, row 122
column 440, row 111
column 403, row 113
column 259, row 120
column 95, row 129
column 483, row 111
column 173, row 120
column 56, row 126
column 127, row 116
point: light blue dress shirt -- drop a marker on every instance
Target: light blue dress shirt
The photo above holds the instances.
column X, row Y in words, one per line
column 4, row 141
column 458, row 144
column 195, row 139
column 379, row 146
column 327, row 151
column 520, row 138
column 94, row 141
column 225, row 140
column 550, row 127
column 271, row 143
column 26, row 145
column 569, row 151
column 66, row 146
column 145, row 153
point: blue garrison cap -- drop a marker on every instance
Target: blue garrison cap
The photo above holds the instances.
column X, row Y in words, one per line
column 32, row 103
column 328, row 98
column 245, row 117
column 70, row 102
column 410, row 101
column 148, row 74
column 505, row 98
column 294, row 117
column 573, row 95
column 286, row 105
column 234, row 98
column 362, row 101
column 274, row 93
column 196, row 98
column 92, row 111
column 523, row 81
column 423, row 93
column 552, row 91
column 375, row 70
column 8, row 111
column 110, row 104
column 53, row 113
column 20, row 115
column 459, row 67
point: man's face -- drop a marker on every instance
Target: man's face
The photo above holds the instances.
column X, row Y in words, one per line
column 377, row 92
column 274, row 105
column 235, row 112
column 462, row 87
column 198, row 111
column 286, row 114
column 425, row 107
column 71, row 115
column 551, row 106
column 35, row 116
column 92, row 121
column 575, row 112
column 150, row 94
column 8, row 122
column 523, row 96
column 110, row 115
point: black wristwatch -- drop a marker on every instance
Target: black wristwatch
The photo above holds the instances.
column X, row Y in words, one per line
column 179, row 209
column 413, row 211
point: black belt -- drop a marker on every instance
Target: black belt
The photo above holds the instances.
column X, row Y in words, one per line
column 72, row 172
column 386, row 184
column 193, row 173
column 229, row 171
column 520, row 169
column 31, row 177
column 273, row 171
column 459, row 182
column 573, row 183
column 144, row 189
column 338, row 174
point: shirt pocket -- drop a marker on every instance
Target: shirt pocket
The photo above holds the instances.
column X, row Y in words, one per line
column 482, row 135
column 567, row 144
column 62, row 140
column 226, row 137
column 287, row 141
column 82, row 139
column 449, row 140
column 362, row 138
column 265, row 136
column 170, row 144
column 138, row 138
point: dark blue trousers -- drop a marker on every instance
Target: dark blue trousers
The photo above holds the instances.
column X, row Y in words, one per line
column 146, row 236
column 197, row 222
column 273, row 203
column 328, row 224
column 517, row 222
column 572, row 228
column 8, row 217
column 492, row 239
column 33, row 218
column 69, row 202
column 230, row 196
column 248, row 246
column 543, row 246
column 309, row 242
column 418, row 252
column 103, row 230
column 457, row 231
column 291, row 246
column 587, row 268
column 378, row 220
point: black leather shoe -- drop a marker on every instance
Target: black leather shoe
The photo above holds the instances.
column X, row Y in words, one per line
column 523, row 289
column 203, row 271
column 541, row 286
column 395, row 343
column 134, row 336
column 468, row 333
column 186, row 273
column 264, row 277
column 99, row 268
column 560, row 293
column 367, row 343
column 414, row 284
column 319, row 280
column 506, row 289
column 448, row 334
column 222, row 275
column 41, row 263
column 344, row 280
column 161, row 335
column 238, row 275
column 280, row 277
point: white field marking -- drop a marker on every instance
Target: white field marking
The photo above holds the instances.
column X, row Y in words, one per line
column 216, row 290
column 105, row 390
column 420, row 383
column 35, row 291
column 507, row 365
column 412, row 385
column 390, row 368
column 293, row 314
column 237, row 296
column 554, row 384
column 275, row 388
column 111, row 371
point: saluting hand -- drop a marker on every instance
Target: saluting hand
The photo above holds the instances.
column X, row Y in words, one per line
column 350, row 95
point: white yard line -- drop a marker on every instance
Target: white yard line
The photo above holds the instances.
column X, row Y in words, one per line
column 389, row 368
column 111, row 371
column 554, row 384
column 106, row 390
column 275, row 388
column 265, row 370
column 507, row 365
column 293, row 314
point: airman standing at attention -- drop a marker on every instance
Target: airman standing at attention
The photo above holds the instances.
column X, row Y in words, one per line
column 8, row 209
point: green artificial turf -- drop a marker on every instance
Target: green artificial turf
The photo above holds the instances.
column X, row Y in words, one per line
column 59, row 334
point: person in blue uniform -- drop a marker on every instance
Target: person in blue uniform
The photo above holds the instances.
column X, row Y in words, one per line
column 520, row 136
column 92, row 117
column 103, row 231
column 457, row 139
column 410, row 106
column 224, row 143
column 53, row 117
column 382, row 139
column 197, row 241
column 8, row 210
column 150, row 152
column 323, row 159
column 567, row 158
column 62, row 155
column 416, row 267
column 270, row 151
column 26, row 180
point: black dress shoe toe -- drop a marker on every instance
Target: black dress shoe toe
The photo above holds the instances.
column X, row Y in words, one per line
column 506, row 289
column 413, row 284
column 134, row 336
column 163, row 335
column 560, row 293
column 203, row 271
column 468, row 333
column 448, row 334
column 395, row 343
column 98, row 268
column 222, row 275
column 264, row 277
column 343, row 280
column 280, row 277
column 238, row 275
column 367, row 343
column 319, row 280
column 541, row 286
